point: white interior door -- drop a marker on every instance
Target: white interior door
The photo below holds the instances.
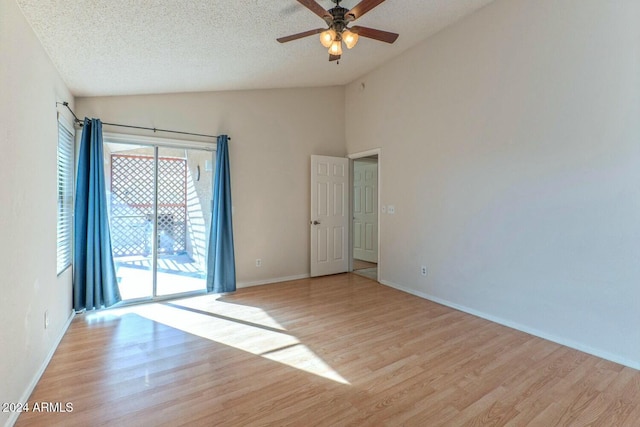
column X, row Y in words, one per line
column 365, row 210
column 329, row 215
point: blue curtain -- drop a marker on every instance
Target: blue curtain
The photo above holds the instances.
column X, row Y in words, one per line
column 221, row 264
column 94, row 276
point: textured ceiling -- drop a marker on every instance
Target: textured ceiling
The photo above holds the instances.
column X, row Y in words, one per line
column 118, row 47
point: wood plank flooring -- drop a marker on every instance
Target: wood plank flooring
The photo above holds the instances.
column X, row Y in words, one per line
column 334, row 351
column 359, row 264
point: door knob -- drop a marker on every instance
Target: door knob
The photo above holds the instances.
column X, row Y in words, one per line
column 314, row 222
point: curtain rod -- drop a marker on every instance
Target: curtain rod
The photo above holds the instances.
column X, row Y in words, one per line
column 79, row 122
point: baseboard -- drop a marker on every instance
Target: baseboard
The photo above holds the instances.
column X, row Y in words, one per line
column 34, row 381
column 520, row 327
column 269, row 281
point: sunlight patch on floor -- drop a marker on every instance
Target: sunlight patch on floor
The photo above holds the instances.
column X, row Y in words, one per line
column 254, row 332
column 301, row 357
column 245, row 313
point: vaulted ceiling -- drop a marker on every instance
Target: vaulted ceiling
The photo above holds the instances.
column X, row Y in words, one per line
column 118, row 47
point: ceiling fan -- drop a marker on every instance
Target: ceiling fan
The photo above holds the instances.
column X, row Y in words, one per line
column 338, row 18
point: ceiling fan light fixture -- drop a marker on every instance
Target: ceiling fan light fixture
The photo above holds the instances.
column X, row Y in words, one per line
column 336, row 48
column 350, row 39
column 327, row 37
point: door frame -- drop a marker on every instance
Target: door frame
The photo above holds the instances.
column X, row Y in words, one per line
column 352, row 157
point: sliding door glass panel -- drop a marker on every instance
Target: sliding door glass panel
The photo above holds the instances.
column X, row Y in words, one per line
column 130, row 183
column 185, row 178
column 159, row 212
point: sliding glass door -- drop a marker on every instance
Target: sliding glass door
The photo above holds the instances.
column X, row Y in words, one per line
column 159, row 212
column 185, row 191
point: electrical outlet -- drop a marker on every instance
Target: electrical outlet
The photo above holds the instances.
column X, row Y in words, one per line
column 391, row 209
column 423, row 270
column 46, row 319
column 258, row 262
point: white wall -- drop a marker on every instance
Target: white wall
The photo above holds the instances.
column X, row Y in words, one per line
column 30, row 86
column 273, row 134
column 511, row 151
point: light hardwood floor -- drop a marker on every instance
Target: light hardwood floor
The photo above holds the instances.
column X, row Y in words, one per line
column 359, row 264
column 334, row 351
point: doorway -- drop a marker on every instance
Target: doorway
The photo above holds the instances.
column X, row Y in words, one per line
column 159, row 203
column 364, row 208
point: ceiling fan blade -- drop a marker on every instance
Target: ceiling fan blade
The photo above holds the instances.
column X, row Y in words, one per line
column 300, row 35
column 372, row 33
column 361, row 8
column 316, row 8
column 333, row 57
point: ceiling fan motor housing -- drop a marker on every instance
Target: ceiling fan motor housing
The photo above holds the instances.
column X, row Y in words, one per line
column 339, row 23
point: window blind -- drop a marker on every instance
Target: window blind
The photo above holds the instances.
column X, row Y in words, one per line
column 66, row 162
